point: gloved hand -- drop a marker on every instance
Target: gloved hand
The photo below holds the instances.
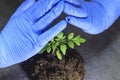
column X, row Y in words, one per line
column 26, row 32
column 94, row 16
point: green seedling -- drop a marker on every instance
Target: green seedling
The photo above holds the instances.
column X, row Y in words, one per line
column 61, row 43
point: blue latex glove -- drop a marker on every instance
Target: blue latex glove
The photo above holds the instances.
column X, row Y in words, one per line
column 25, row 34
column 94, row 16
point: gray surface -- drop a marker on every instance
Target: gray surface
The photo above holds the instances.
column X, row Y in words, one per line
column 13, row 73
column 106, row 65
column 101, row 52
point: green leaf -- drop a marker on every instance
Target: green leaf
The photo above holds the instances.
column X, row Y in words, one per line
column 82, row 40
column 76, row 38
column 77, row 42
column 71, row 44
column 70, row 36
column 52, row 40
column 57, row 43
column 43, row 50
column 57, row 39
column 54, row 46
column 63, row 37
column 63, row 48
column 48, row 44
column 48, row 49
column 60, row 35
column 59, row 56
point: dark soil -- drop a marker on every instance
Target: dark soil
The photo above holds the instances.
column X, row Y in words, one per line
column 48, row 67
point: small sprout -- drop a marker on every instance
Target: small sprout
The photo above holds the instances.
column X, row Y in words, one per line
column 60, row 43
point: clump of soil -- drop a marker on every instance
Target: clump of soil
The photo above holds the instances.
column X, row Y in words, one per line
column 48, row 67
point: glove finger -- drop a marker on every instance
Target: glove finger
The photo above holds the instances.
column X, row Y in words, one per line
column 78, row 22
column 40, row 8
column 43, row 23
column 85, row 24
column 51, row 33
column 75, row 11
column 24, row 6
column 74, row 2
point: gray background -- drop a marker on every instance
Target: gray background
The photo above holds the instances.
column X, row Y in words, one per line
column 101, row 53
